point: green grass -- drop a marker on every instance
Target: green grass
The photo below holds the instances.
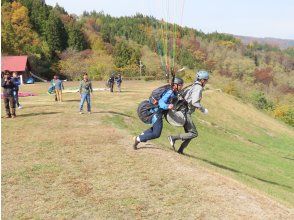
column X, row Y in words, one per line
column 59, row 164
column 249, row 155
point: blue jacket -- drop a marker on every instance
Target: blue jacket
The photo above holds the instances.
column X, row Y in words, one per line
column 58, row 84
column 163, row 104
column 16, row 83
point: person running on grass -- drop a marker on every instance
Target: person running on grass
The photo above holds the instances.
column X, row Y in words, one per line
column 85, row 90
column 164, row 104
column 8, row 98
column 192, row 97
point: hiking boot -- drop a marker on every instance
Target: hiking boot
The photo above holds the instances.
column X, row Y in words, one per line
column 181, row 151
column 136, row 142
column 172, row 142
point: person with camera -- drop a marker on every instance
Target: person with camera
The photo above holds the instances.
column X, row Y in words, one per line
column 9, row 102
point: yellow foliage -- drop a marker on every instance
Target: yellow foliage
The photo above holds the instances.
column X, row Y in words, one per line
column 227, row 44
column 199, row 55
column 280, row 111
column 231, row 89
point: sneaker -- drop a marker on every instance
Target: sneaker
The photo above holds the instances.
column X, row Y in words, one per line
column 135, row 143
column 89, row 113
column 172, row 142
column 7, row 116
column 81, row 112
column 20, row 107
column 13, row 116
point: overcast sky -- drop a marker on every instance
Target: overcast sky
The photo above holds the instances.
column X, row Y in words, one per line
column 257, row 18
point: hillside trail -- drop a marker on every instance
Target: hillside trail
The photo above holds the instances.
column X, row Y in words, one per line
column 184, row 189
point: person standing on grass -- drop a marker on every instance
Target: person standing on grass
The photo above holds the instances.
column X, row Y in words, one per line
column 16, row 81
column 192, row 97
column 58, row 88
column 163, row 104
column 85, row 90
column 8, row 98
column 118, row 82
column 111, row 81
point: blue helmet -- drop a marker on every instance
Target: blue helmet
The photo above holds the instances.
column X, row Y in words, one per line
column 202, row 74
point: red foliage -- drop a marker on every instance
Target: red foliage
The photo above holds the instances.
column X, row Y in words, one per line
column 225, row 72
column 264, row 75
column 286, row 89
column 210, row 64
column 194, row 44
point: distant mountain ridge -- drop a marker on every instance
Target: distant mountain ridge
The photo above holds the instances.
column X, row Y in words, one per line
column 281, row 43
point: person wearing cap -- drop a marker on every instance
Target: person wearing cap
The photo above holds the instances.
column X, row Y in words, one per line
column 192, row 98
column 164, row 104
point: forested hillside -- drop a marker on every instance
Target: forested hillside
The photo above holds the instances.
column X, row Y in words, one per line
column 58, row 42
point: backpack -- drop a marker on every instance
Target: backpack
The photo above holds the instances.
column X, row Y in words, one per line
column 145, row 112
column 158, row 93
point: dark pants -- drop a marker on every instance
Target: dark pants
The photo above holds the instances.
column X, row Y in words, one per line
column 190, row 133
column 111, row 86
column 153, row 132
column 9, row 103
column 15, row 96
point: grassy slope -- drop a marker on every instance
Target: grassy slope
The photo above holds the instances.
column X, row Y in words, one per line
column 57, row 163
column 234, row 138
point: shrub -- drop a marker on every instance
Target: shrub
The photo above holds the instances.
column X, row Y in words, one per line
column 285, row 113
column 260, row 101
column 231, row 89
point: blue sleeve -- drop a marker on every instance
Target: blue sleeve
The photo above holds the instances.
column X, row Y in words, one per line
column 16, row 82
column 164, row 101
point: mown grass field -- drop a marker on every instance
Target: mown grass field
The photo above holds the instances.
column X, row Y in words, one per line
column 59, row 164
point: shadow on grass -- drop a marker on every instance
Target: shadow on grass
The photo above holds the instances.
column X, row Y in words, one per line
column 34, row 106
column 288, row 158
column 112, row 112
column 237, row 171
column 36, row 114
column 151, row 147
column 126, row 91
column 72, row 100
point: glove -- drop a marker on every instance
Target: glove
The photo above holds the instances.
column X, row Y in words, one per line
column 205, row 111
column 170, row 106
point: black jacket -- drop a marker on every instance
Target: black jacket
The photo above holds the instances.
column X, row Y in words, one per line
column 8, row 87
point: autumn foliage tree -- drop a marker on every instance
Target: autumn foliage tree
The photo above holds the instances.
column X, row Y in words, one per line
column 17, row 34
